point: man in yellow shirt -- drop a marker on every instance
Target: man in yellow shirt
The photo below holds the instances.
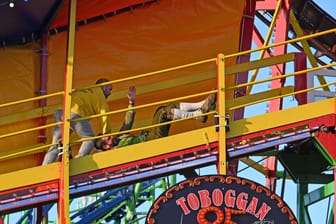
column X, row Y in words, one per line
column 84, row 103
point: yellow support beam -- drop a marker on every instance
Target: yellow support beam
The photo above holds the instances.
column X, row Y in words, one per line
column 30, row 176
column 221, row 102
column 64, row 195
column 144, row 150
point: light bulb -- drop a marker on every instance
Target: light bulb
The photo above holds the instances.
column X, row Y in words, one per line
column 11, row 4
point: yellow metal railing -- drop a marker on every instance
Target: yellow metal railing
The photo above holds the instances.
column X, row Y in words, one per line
column 39, row 149
column 228, row 70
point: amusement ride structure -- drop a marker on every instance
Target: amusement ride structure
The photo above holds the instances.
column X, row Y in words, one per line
column 249, row 53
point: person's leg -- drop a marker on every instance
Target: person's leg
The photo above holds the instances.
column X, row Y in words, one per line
column 53, row 151
column 209, row 103
column 161, row 115
column 205, row 105
column 84, row 130
column 179, row 113
column 187, row 106
column 186, row 110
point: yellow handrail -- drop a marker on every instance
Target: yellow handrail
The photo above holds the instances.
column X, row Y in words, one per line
column 31, row 99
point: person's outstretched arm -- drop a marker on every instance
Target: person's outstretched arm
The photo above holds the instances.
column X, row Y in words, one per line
column 130, row 115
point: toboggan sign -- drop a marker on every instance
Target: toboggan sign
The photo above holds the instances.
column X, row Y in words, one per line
column 219, row 199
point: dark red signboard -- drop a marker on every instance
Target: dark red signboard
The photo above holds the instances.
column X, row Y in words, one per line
column 219, row 199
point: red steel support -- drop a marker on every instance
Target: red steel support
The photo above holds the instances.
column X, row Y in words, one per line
column 280, row 35
column 245, row 44
column 281, row 31
column 300, row 63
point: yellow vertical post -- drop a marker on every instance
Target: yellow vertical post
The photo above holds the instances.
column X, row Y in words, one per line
column 63, row 209
column 221, row 114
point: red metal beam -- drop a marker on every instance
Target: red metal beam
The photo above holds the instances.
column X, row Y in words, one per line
column 247, row 25
column 281, row 33
column 300, row 63
column 246, row 28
